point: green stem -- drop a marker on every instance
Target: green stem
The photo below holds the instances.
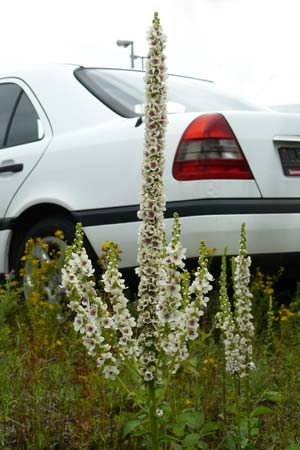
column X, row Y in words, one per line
column 238, row 410
column 130, row 393
column 248, row 406
column 269, row 335
column 224, row 389
column 153, row 417
column 9, row 419
column 131, row 364
column 123, row 385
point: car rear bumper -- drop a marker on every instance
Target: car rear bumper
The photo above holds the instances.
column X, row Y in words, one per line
column 266, row 234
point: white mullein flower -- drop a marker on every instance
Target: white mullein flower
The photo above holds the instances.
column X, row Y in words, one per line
column 111, row 372
column 237, row 327
column 103, row 330
column 243, row 305
column 78, row 323
column 224, row 321
column 179, row 310
column 159, row 412
column 152, row 206
column 169, row 309
column 199, row 288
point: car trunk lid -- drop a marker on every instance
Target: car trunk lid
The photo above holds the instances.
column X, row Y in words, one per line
column 270, row 142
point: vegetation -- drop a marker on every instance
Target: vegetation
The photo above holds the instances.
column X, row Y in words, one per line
column 53, row 396
column 148, row 375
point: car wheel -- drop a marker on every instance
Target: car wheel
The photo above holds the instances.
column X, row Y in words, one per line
column 47, row 250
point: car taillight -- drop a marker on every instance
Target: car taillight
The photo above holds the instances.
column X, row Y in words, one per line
column 209, row 150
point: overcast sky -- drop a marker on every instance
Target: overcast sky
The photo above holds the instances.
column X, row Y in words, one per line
column 250, row 47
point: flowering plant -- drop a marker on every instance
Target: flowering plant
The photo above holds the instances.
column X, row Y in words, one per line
column 237, row 326
column 238, row 330
column 155, row 343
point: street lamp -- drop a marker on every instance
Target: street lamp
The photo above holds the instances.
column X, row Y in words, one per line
column 126, row 44
column 142, row 58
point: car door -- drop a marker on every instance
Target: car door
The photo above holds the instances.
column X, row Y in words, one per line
column 24, row 135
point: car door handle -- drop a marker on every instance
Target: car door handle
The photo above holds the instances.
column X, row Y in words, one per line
column 12, row 168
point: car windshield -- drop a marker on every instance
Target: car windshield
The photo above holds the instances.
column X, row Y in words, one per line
column 123, row 91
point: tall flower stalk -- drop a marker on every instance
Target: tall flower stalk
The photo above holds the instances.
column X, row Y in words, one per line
column 244, row 319
column 152, row 205
column 243, row 307
column 237, row 326
column 224, row 321
column 154, row 344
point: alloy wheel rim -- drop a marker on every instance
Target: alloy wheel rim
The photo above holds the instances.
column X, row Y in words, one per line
column 49, row 253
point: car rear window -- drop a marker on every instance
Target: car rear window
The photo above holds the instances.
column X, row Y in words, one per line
column 123, row 91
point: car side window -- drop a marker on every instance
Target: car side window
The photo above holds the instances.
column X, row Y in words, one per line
column 18, row 118
column 9, row 95
column 24, row 125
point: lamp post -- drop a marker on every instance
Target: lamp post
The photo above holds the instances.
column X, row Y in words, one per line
column 125, row 44
column 142, row 58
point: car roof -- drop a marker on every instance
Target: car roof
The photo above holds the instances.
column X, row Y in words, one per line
column 61, row 95
column 28, row 70
column 20, row 70
column 66, row 102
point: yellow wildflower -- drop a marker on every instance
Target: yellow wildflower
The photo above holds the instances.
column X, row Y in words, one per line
column 34, row 298
column 211, row 251
column 210, row 362
column 59, row 234
column 286, row 314
column 269, row 291
column 107, row 244
column 57, row 343
column 188, row 402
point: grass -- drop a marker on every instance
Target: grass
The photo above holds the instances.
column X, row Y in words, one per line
column 52, row 396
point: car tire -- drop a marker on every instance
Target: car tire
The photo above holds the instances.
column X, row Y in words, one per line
column 45, row 229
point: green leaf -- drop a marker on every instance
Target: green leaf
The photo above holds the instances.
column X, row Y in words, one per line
column 141, row 433
column 191, row 440
column 230, row 442
column 204, row 336
column 175, row 446
column 130, row 426
column 42, row 441
column 260, row 411
column 192, row 419
column 178, row 430
column 192, row 366
column 244, row 443
column 210, row 428
column 273, row 396
column 293, row 447
column 168, row 438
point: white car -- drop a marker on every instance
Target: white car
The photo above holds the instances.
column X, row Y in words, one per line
column 287, row 108
column 71, row 146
